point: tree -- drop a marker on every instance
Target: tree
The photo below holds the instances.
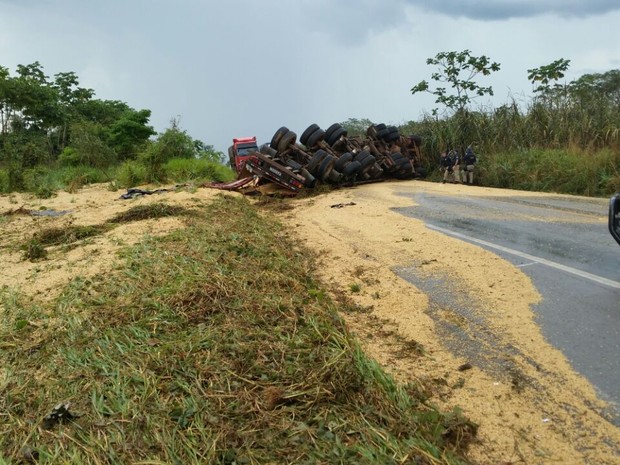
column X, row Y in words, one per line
column 69, row 95
column 34, row 98
column 130, row 133
column 87, row 146
column 6, row 91
column 175, row 143
column 205, row 151
column 598, row 88
column 545, row 74
column 458, row 70
column 356, row 127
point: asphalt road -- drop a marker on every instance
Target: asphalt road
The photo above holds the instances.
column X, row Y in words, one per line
column 564, row 246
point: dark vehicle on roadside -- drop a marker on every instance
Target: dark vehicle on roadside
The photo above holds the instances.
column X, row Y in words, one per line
column 614, row 217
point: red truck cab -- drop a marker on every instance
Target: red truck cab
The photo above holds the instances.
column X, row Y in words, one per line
column 240, row 151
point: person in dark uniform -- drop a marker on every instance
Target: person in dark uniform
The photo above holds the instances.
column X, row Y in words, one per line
column 469, row 161
column 445, row 165
column 456, row 165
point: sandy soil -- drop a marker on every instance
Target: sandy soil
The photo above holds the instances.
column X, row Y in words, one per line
column 90, row 206
column 543, row 414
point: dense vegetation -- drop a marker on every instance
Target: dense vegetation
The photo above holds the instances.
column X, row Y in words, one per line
column 565, row 139
column 55, row 134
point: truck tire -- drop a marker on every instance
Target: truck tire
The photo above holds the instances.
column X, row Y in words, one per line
column 335, row 136
column 375, row 171
column 316, row 159
column 309, row 180
column 265, row 149
column 322, row 172
column 330, row 130
column 360, row 156
column 277, row 136
column 396, row 158
column 405, row 169
column 334, row 177
column 315, row 138
column 416, row 140
column 343, row 160
column 286, row 140
column 392, row 134
column 352, row 169
column 308, row 132
column 367, row 162
column 381, row 133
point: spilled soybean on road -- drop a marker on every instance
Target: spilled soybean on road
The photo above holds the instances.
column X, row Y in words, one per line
column 563, row 245
column 520, row 287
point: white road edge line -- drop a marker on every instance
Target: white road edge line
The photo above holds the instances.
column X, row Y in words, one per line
column 542, row 261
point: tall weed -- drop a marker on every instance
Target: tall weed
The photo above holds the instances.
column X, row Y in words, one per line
column 189, row 169
column 131, row 173
column 5, row 182
column 555, row 170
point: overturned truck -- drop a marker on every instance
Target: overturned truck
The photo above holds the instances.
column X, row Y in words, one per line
column 327, row 156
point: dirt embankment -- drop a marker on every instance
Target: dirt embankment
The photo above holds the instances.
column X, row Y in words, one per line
column 537, row 411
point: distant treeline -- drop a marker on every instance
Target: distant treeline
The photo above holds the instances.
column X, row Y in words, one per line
column 54, row 132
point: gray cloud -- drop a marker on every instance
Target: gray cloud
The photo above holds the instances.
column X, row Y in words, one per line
column 506, row 9
column 240, row 67
column 353, row 21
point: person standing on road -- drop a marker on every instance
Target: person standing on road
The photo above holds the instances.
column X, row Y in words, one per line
column 456, row 165
column 469, row 161
column 445, row 165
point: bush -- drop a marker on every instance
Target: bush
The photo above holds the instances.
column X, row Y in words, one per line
column 41, row 181
column 184, row 169
column 85, row 174
column 562, row 170
column 69, row 157
column 130, row 174
column 5, row 182
column 152, row 160
column 74, row 177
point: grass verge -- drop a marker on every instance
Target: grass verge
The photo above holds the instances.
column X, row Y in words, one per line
column 211, row 345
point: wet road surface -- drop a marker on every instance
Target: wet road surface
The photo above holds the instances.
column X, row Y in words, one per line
column 564, row 246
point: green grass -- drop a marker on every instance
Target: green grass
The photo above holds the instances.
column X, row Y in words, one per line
column 558, row 170
column 133, row 173
column 44, row 182
column 212, row 345
column 192, row 169
column 355, row 287
column 150, row 211
column 68, row 235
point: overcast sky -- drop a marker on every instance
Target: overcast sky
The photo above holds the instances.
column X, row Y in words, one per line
column 231, row 68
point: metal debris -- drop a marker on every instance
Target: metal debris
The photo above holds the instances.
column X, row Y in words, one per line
column 59, row 414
